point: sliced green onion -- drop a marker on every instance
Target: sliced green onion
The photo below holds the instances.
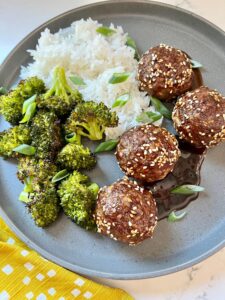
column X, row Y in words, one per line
column 60, row 175
column 77, row 80
column 72, row 138
column 121, row 100
column 30, row 111
column 94, row 188
column 173, row 217
column 24, row 197
column 28, row 188
column 187, row 189
column 25, row 149
column 131, row 43
column 196, row 64
column 28, row 185
column 106, row 146
column 106, row 31
column 27, row 103
column 161, row 108
column 149, row 117
column 3, row 90
column 119, row 77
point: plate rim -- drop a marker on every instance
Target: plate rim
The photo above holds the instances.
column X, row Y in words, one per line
column 75, row 267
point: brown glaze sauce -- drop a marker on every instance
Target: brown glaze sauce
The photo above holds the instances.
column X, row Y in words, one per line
column 186, row 171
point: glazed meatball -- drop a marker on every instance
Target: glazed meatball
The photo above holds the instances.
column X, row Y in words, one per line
column 126, row 212
column 165, row 72
column 199, row 117
column 147, row 152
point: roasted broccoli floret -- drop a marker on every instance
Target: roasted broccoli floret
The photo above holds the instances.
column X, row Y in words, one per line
column 90, row 119
column 11, row 104
column 40, row 170
column 12, row 138
column 78, row 198
column 46, row 135
column 43, row 205
column 76, row 157
column 60, row 98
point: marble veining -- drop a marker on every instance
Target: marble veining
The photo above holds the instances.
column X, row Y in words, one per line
column 183, row 3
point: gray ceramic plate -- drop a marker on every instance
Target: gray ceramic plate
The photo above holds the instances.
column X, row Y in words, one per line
column 174, row 246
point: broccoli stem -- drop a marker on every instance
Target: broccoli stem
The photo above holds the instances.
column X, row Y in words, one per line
column 94, row 188
column 60, row 86
column 94, row 130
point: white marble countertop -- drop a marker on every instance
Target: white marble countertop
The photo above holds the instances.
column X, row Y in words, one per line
column 204, row 281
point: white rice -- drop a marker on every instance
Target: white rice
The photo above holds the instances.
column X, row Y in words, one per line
column 84, row 52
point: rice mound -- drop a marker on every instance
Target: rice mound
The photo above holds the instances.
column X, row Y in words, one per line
column 81, row 51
